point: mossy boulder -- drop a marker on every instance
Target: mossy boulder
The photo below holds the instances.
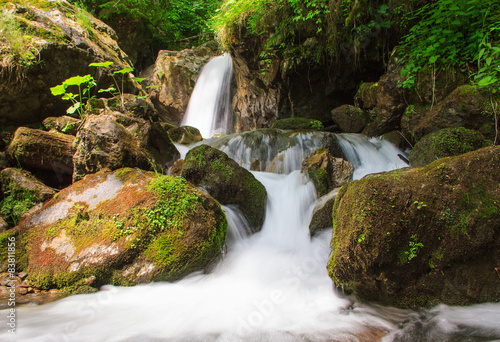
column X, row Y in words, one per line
column 227, row 182
column 114, row 140
column 467, row 107
column 49, row 155
column 63, row 124
column 366, row 96
column 19, row 192
column 185, row 135
column 124, row 227
column 351, row 119
column 326, row 171
column 446, row 143
column 298, row 124
column 422, row 236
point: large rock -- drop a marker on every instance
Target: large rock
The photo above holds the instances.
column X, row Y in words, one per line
column 322, row 212
column 366, row 96
column 465, row 107
column 44, row 153
column 20, row 191
column 446, row 143
column 185, row 135
column 114, row 140
column 298, row 124
column 58, row 41
column 326, row 171
column 173, row 79
column 124, row 227
column 421, row 236
column 351, row 119
column 227, row 182
column 63, row 124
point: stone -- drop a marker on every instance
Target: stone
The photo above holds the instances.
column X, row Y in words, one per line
column 350, row 119
column 185, row 135
column 113, row 140
column 366, row 96
column 123, row 227
column 62, row 124
column 298, row 124
column 322, row 212
column 326, row 171
column 227, row 182
column 446, row 143
column 420, row 237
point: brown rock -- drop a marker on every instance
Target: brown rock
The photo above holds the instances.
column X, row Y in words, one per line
column 351, row 119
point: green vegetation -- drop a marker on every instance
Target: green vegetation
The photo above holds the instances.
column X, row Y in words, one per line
column 16, row 203
column 414, row 246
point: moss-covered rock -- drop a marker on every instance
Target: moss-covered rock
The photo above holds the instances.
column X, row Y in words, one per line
column 326, row 171
column 63, row 124
column 322, row 212
column 366, row 96
column 421, row 236
column 185, row 135
column 227, row 182
column 125, row 227
column 351, row 119
column 298, row 124
column 114, row 140
column 446, row 143
column 465, row 107
column 49, row 155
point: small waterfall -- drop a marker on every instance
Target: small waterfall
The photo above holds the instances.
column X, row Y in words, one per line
column 209, row 108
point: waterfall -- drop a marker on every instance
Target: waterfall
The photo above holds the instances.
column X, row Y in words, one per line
column 270, row 286
column 209, row 107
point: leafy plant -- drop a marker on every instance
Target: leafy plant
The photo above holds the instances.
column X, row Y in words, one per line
column 79, row 100
column 16, row 203
column 420, row 205
column 414, row 247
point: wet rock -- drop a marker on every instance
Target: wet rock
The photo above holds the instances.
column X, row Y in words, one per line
column 422, row 236
column 322, row 212
column 351, row 119
column 446, row 143
column 43, row 152
column 326, row 172
column 227, row 182
column 98, row 229
column 185, row 135
column 298, row 124
column 114, row 140
column 63, row 124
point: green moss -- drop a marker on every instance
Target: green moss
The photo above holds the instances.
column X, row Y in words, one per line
column 298, row 124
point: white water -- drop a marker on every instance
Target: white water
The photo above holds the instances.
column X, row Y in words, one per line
column 270, row 286
column 209, row 107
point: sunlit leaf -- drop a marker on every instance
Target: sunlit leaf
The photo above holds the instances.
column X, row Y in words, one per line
column 124, row 71
column 101, row 64
column 73, row 108
column 58, row 90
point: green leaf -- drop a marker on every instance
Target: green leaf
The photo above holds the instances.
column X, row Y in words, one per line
column 101, row 65
column 75, row 80
column 138, row 79
column 124, row 71
column 73, row 108
column 68, row 96
column 109, row 90
column 58, row 90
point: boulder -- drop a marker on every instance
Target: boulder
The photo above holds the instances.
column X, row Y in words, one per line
column 326, row 171
column 63, row 124
column 366, row 96
column 322, row 212
column 57, row 41
column 124, row 227
column 20, row 191
column 113, row 140
column 351, row 119
column 227, row 182
column 173, row 79
column 411, row 118
column 465, row 107
column 422, row 236
column 298, row 124
column 185, row 135
column 446, row 143
column 44, row 153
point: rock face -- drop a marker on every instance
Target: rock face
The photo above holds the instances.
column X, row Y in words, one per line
column 227, row 182
column 66, row 41
column 350, row 119
column 114, row 140
column 421, row 236
column 322, row 212
column 173, row 78
column 42, row 152
column 19, row 192
column 464, row 107
column 445, row 143
column 326, row 171
column 124, row 227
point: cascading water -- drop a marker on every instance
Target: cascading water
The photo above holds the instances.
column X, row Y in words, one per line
column 209, row 107
column 270, row 286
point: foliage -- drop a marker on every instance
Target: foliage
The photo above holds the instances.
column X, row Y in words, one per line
column 414, row 246
column 170, row 21
column 84, row 84
column 453, row 33
column 16, row 203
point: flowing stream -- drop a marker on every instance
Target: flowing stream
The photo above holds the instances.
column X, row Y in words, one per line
column 209, row 107
column 269, row 286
